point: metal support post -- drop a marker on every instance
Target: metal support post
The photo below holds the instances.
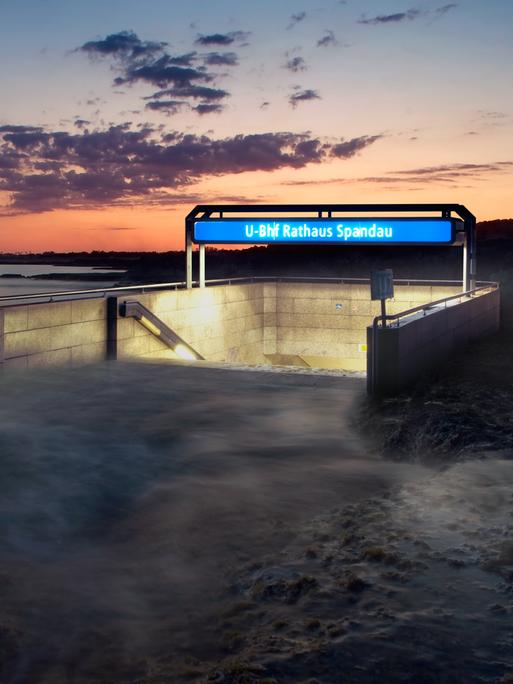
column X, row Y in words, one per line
column 112, row 328
column 188, row 259
column 202, row 265
column 383, row 313
column 2, row 334
column 465, row 281
column 472, row 262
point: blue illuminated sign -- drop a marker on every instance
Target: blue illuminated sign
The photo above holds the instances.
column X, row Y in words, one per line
column 374, row 231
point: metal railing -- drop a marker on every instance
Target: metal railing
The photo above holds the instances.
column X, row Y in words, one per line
column 100, row 293
column 159, row 329
column 94, row 293
column 425, row 308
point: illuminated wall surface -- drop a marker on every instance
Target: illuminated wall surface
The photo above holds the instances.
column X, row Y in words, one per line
column 286, row 323
column 316, row 325
column 325, row 230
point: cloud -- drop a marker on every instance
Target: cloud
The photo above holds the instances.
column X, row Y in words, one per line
column 440, row 11
column 296, row 19
column 450, row 175
column 391, row 18
column 162, row 73
column 20, row 129
column 191, row 91
column 210, row 99
column 491, row 115
column 208, row 108
column 167, row 106
column 221, row 59
column 327, row 40
column 123, row 45
column 43, row 171
column 179, row 77
column 239, row 37
column 296, row 64
column 303, row 96
column 348, row 148
column 408, row 15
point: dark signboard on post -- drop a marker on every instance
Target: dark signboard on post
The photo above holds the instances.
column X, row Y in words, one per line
column 382, row 284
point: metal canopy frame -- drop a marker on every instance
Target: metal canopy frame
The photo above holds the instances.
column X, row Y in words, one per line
column 202, row 211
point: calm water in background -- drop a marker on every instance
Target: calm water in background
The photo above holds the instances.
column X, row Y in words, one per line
column 20, row 286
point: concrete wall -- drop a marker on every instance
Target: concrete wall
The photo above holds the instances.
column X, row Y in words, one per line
column 224, row 323
column 399, row 355
column 310, row 324
column 58, row 333
column 325, row 326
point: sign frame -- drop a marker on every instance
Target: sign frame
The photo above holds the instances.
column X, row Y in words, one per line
column 465, row 230
column 456, row 226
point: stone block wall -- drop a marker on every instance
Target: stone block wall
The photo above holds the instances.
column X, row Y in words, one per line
column 223, row 323
column 56, row 333
column 325, row 325
column 296, row 323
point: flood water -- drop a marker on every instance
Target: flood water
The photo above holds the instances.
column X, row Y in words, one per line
column 170, row 523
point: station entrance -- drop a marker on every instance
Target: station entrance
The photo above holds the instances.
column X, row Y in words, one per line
column 332, row 323
column 269, row 319
column 422, row 225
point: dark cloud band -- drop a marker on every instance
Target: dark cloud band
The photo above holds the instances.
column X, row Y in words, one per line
column 43, row 170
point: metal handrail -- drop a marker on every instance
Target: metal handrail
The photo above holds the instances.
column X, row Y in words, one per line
column 63, row 295
column 483, row 285
column 325, row 279
column 100, row 291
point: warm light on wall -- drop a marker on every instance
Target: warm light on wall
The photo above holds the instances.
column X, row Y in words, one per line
column 149, row 325
column 185, row 353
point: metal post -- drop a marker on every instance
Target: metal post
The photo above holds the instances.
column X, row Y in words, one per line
column 383, row 313
column 465, row 280
column 112, row 328
column 472, row 264
column 2, row 333
column 188, row 259
column 202, row 265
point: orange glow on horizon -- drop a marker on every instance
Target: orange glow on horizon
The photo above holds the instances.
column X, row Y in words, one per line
column 140, row 228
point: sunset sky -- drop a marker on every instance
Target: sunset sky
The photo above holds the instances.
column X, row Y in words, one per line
column 118, row 116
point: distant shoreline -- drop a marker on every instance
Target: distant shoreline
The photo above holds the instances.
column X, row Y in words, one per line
column 65, row 276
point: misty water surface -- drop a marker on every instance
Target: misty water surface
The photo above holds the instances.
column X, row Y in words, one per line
column 167, row 523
